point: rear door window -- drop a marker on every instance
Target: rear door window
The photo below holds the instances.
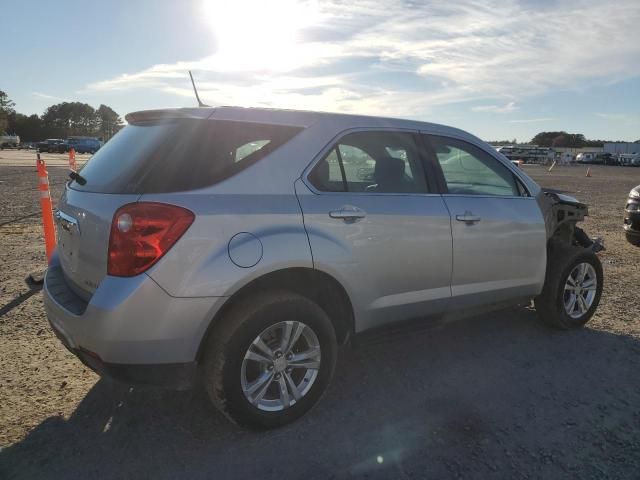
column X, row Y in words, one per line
column 179, row 155
column 371, row 162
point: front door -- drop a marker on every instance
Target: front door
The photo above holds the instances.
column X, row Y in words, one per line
column 499, row 236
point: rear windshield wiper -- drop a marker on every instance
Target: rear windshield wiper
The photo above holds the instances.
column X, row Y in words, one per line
column 78, row 178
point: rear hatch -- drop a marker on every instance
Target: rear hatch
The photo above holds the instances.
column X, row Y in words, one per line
column 158, row 152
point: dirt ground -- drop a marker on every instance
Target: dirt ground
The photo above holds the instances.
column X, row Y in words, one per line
column 498, row 395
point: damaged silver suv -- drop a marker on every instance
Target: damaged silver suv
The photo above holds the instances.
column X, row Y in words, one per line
column 240, row 248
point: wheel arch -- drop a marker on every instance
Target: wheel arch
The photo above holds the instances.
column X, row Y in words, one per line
column 314, row 284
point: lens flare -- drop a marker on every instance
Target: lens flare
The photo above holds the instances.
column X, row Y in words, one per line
column 254, row 35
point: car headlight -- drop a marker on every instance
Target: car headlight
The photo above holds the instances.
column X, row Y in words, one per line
column 635, row 193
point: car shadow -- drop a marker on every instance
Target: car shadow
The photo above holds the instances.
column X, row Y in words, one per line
column 496, row 395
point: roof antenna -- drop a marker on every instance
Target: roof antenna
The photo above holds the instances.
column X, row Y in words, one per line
column 195, row 90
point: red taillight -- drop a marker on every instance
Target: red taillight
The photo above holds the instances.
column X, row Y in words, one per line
column 141, row 233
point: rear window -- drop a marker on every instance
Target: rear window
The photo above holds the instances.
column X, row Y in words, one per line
column 179, row 155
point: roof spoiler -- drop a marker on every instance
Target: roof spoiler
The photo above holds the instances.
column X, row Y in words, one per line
column 146, row 116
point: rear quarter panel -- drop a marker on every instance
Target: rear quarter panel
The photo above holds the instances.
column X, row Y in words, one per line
column 199, row 264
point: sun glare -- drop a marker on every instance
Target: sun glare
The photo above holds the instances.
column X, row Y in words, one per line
column 258, row 34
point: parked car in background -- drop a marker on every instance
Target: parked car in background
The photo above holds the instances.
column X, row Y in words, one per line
column 240, row 248
column 527, row 153
column 83, row 144
column 632, row 217
column 52, row 145
column 9, row 141
column 629, row 159
column 590, row 157
column 608, row 158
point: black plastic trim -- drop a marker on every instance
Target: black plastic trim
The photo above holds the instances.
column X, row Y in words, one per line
column 62, row 293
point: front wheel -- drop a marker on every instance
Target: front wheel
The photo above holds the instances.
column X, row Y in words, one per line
column 633, row 239
column 572, row 289
column 270, row 360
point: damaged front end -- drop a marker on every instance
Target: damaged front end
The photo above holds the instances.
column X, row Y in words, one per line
column 561, row 214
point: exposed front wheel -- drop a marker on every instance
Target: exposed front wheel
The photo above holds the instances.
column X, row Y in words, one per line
column 633, row 239
column 572, row 289
column 270, row 360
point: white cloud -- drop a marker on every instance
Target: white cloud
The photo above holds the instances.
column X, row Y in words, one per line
column 532, row 120
column 619, row 117
column 508, row 108
column 481, row 50
column 45, row 96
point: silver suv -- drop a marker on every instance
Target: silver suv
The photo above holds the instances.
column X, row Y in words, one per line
column 240, row 248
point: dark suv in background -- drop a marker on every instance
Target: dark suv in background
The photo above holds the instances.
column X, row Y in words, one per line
column 83, row 144
column 52, row 145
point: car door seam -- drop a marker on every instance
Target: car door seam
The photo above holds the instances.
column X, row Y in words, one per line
column 304, row 224
column 452, row 249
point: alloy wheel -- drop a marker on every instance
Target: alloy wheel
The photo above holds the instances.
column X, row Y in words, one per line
column 580, row 290
column 280, row 366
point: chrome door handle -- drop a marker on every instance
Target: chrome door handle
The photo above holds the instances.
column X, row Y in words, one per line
column 468, row 217
column 348, row 212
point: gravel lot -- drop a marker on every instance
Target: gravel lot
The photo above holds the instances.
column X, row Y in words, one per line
column 493, row 396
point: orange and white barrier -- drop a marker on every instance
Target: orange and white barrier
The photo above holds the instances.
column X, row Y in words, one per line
column 72, row 160
column 47, row 208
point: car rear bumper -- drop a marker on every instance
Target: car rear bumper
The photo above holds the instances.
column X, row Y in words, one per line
column 130, row 329
column 177, row 376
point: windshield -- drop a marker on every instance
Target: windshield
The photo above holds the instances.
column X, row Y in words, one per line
column 178, row 155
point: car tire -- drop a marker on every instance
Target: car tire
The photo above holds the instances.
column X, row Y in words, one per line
column 568, row 301
column 633, row 239
column 227, row 369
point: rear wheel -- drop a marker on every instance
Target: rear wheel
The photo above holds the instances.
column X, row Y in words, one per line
column 270, row 360
column 572, row 289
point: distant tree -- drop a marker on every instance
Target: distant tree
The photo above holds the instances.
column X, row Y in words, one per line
column 71, row 118
column 28, row 128
column 559, row 139
column 499, row 143
column 6, row 108
column 109, row 122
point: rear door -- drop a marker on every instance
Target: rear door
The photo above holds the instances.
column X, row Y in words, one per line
column 499, row 236
column 376, row 225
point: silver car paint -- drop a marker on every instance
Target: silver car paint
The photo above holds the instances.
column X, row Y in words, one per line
column 394, row 263
column 202, row 254
column 501, row 256
column 133, row 321
column 396, row 260
column 83, row 248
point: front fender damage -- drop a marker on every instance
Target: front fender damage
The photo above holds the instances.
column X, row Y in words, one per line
column 561, row 214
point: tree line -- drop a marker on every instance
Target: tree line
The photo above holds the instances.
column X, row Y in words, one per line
column 59, row 121
column 559, row 139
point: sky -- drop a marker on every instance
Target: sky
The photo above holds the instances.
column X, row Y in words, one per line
column 498, row 69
